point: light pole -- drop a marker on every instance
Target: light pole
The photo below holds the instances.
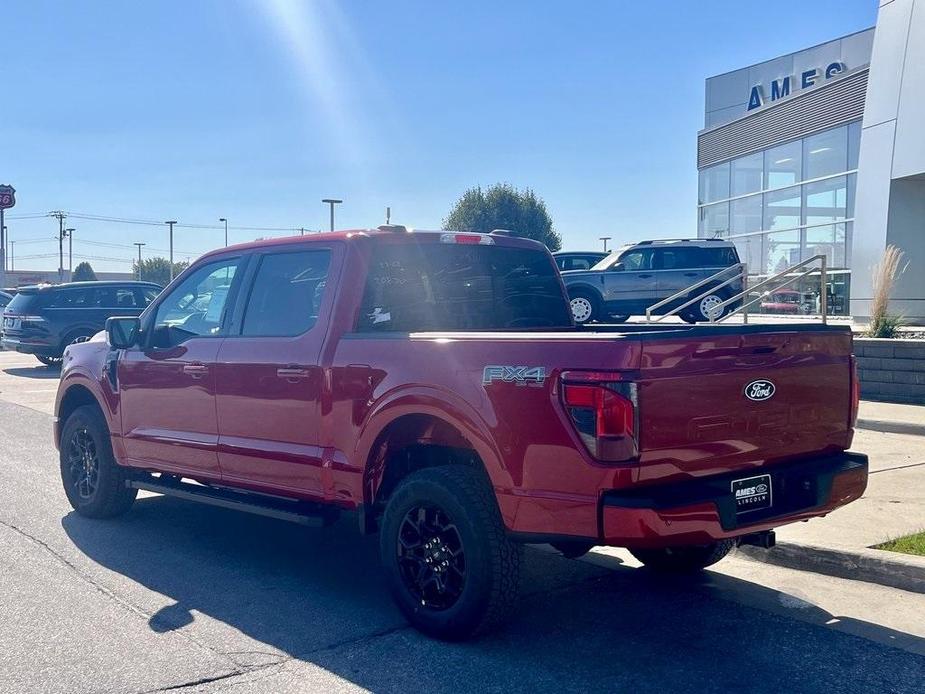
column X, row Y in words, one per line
column 171, row 223
column 605, row 239
column 70, row 253
column 222, row 219
column 139, row 258
column 12, row 255
column 332, row 202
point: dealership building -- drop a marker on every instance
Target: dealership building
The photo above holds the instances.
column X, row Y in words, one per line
column 822, row 152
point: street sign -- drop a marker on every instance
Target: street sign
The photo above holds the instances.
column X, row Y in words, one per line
column 7, row 197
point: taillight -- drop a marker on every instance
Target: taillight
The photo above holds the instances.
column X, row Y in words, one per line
column 604, row 411
column 855, row 393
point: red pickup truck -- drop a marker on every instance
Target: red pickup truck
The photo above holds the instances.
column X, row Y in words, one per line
column 434, row 385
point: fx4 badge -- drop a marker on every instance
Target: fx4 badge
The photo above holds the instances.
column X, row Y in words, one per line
column 521, row 375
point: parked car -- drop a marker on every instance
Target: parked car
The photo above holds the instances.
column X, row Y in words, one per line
column 639, row 275
column 5, row 299
column 43, row 320
column 434, row 385
column 786, row 301
column 578, row 260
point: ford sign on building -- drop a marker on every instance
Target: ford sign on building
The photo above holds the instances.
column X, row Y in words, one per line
column 822, row 152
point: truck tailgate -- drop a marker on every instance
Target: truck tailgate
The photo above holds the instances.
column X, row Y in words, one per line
column 735, row 402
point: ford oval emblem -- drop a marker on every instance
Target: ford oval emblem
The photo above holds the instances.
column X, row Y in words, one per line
column 760, row 390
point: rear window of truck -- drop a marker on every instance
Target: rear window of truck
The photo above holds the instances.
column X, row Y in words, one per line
column 437, row 286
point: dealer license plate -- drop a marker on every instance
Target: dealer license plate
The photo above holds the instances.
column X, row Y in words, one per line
column 752, row 493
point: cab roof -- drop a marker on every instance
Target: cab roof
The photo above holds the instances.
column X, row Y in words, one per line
column 392, row 234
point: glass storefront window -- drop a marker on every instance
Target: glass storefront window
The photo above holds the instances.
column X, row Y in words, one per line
column 782, row 249
column 747, row 174
column 714, row 183
column 749, row 248
column 746, row 214
column 825, row 154
column 825, row 201
column 782, row 165
column 714, row 220
column 782, row 208
column 854, row 144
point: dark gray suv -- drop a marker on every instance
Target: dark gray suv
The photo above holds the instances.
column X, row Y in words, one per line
column 44, row 320
column 634, row 277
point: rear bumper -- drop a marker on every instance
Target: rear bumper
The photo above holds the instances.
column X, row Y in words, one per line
column 703, row 511
column 15, row 344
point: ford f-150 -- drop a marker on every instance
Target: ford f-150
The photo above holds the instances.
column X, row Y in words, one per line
column 435, row 385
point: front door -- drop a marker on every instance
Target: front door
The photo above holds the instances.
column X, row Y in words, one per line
column 630, row 284
column 269, row 375
column 167, row 385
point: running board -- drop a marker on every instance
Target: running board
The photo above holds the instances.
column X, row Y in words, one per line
column 301, row 512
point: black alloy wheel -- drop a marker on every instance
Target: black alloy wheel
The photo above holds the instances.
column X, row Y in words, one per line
column 83, row 464
column 431, row 557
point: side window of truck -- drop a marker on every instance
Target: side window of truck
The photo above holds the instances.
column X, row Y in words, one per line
column 195, row 307
column 286, row 294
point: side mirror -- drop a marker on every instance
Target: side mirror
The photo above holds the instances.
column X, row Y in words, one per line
column 617, row 267
column 122, row 331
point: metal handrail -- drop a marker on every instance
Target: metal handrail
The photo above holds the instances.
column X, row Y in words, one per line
column 741, row 274
column 823, row 298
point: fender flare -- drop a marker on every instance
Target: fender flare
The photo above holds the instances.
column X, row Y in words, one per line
column 442, row 405
column 81, row 377
column 585, row 288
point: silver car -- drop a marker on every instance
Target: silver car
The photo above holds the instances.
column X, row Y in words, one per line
column 634, row 277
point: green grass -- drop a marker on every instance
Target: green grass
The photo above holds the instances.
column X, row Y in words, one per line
column 910, row 544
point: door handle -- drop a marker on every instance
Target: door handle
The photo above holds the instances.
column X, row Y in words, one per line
column 293, row 374
column 644, row 277
column 690, row 274
column 195, row 370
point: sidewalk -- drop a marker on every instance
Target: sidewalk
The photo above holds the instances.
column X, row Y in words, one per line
column 893, row 505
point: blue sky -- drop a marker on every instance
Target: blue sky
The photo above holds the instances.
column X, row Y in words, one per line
column 254, row 110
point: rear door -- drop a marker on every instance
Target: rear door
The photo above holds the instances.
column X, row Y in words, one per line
column 269, row 378
column 678, row 268
column 726, row 399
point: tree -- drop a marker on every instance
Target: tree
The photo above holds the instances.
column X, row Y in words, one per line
column 157, row 270
column 502, row 206
column 83, row 273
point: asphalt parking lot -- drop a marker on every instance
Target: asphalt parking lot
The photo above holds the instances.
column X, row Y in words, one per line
column 176, row 596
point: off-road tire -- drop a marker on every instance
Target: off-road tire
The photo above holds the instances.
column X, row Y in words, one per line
column 679, row 560
column 110, row 497
column 492, row 561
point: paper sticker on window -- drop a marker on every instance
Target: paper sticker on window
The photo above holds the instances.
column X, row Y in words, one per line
column 379, row 316
column 216, row 304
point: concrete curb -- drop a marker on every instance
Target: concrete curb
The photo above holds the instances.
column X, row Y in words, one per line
column 891, row 569
column 892, row 427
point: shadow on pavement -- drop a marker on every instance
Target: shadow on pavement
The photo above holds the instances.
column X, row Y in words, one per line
column 319, row 596
column 38, row 371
